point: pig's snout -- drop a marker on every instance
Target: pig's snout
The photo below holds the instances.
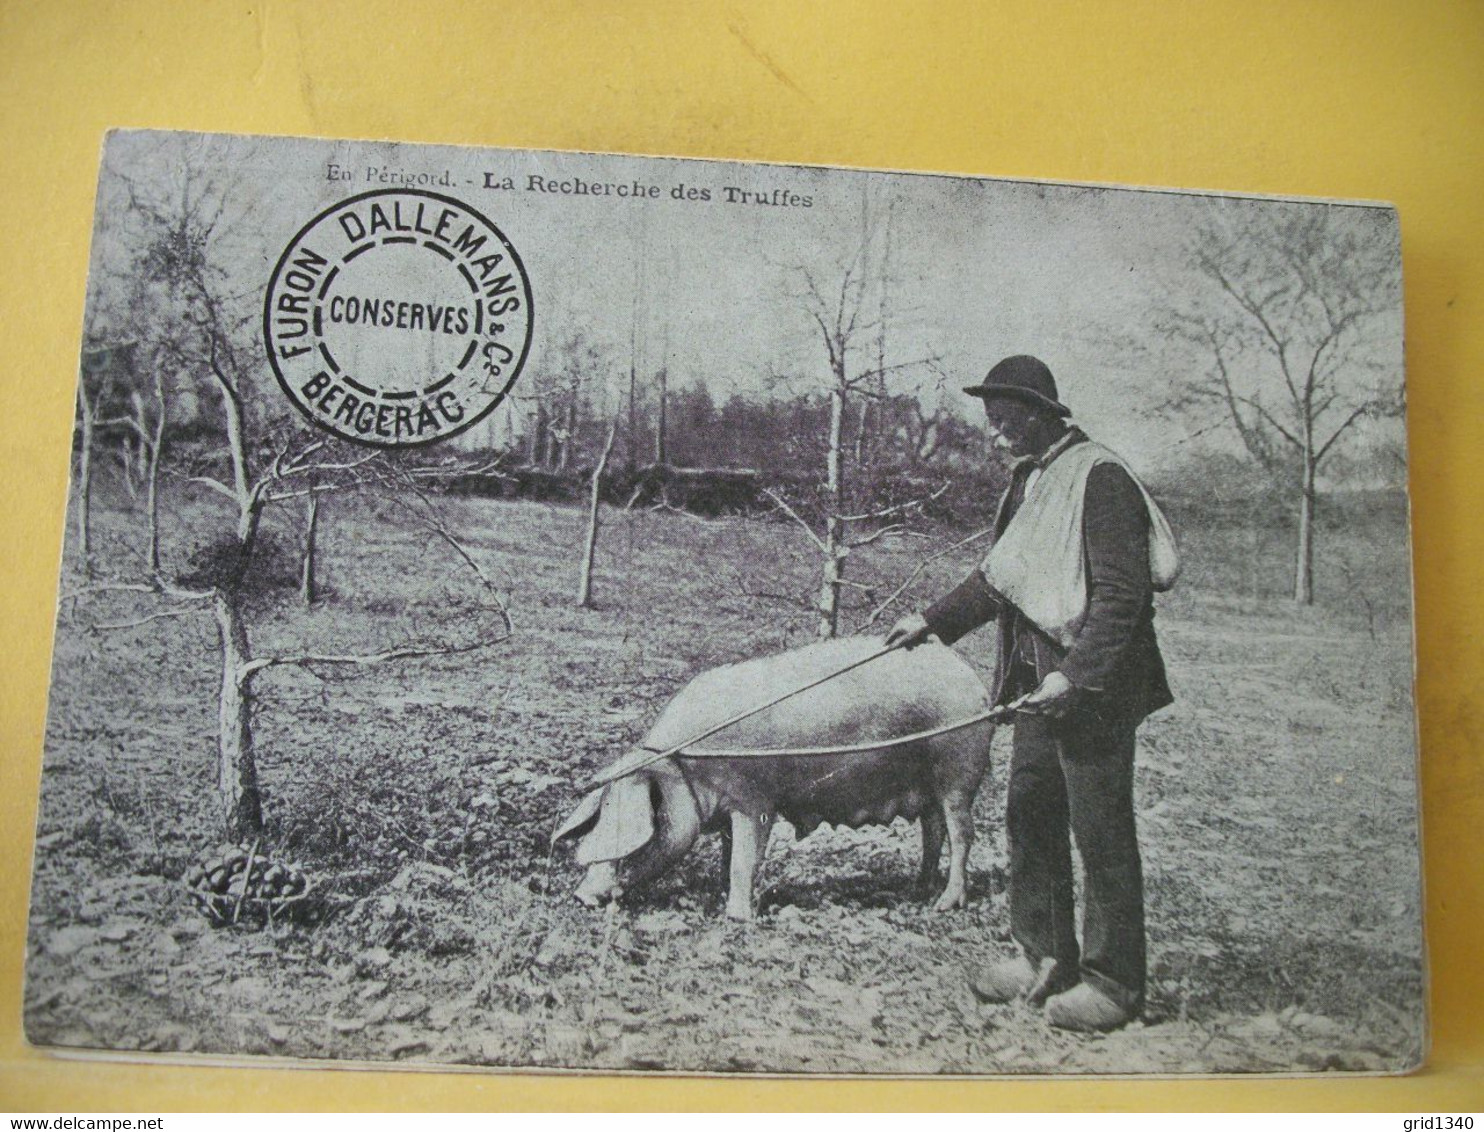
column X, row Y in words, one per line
column 599, row 886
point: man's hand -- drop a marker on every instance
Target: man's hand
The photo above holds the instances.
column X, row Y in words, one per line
column 1054, row 698
column 908, row 633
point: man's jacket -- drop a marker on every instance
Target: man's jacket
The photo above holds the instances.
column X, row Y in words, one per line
column 1114, row 662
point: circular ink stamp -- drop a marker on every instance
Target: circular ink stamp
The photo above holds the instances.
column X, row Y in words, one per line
column 397, row 318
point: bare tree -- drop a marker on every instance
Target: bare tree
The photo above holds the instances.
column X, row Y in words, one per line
column 106, row 394
column 221, row 579
column 154, row 441
column 1286, row 309
column 199, row 324
column 554, row 400
column 661, row 420
column 849, row 314
column 308, row 563
column 590, row 544
column 88, row 397
column 142, row 442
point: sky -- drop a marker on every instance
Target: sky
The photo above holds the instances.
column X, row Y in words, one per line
column 711, row 289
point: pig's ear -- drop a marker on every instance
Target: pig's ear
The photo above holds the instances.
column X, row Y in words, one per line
column 625, row 823
column 584, row 815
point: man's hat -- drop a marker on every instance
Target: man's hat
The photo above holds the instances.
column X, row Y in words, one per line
column 1024, row 378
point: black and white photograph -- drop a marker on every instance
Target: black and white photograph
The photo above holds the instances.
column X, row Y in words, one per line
column 535, row 611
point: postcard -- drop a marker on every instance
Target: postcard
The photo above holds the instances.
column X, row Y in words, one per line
column 548, row 611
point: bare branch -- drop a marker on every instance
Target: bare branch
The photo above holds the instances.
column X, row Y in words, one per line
column 180, row 611
column 829, row 339
column 1324, row 448
column 814, row 292
column 227, row 385
column 429, row 517
column 300, row 468
column 882, row 370
column 128, row 422
column 921, row 567
column 1256, row 309
column 316, row 489
column 873, row 536
column 308, row 660
column 159, row 587
column 898, row 508
column 1263, row 412
column 1322, row 405
column 743, row 585
column 215, row 485
column 275, row 467
column 107, row 587
column 1337, row 329
column 298, row 461
column 671, row 509
column 794, row 515
column 266, row 488
column 1251, row 436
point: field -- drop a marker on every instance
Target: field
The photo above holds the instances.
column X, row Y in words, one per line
column 1277, row 802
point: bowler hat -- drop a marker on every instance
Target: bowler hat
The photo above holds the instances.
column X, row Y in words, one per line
column 1024, row 378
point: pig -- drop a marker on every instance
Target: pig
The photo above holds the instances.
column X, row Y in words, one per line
column 642, row 822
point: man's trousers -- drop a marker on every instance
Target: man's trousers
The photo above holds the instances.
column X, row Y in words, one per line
column 1074, row 778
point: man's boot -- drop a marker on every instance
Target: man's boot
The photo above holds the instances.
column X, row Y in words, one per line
column 1011, row 980
column 1087, row 1009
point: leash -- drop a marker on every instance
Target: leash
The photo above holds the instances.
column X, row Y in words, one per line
column 997, row 715
column 626, row 766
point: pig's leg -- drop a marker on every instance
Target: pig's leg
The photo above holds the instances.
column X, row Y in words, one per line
column 933, row 830
column 598, row 884
column 749, row 840
column 956, row 813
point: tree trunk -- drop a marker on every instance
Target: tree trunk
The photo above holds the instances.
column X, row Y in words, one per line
column 662, row 421
column 156, row 452
column 535, row 452
column 1303, row 575
column 883, row 311
column 834, row 533
column 585, row 584
column 133, row 449
column 639, row 301
column 85, row 483
column 830, row 582
column 632, row 445
column 126, row 466
column 236, row 443
column 249, row 503
column 247, row 531
column 863, row 422
column 237, row 772
column 308, row 589
column 569, row 442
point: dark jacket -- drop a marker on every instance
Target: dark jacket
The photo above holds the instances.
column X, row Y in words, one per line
column 1115, row 661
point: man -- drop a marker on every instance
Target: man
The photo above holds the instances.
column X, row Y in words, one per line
column 1079, row 550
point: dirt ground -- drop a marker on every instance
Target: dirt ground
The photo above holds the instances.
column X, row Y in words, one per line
column 1277, row 801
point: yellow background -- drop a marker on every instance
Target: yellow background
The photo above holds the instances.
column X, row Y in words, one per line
column 1343, row 99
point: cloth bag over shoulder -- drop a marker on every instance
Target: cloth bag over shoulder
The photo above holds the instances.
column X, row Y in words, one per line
column 1039, row 563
